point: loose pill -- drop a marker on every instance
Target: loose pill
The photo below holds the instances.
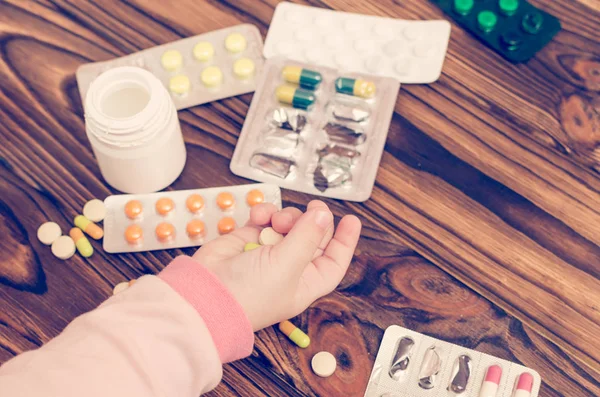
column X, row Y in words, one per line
column 225, row 200
column 195, row 228
column 251, row 246
column 120, row 287
column 203, row 51
column 297, row 97
column 81, row 242
column 171, row 60
column 243, row 68
column 165, row 231
column 305, row 77
column 295, row 334
column 255, row 197
column 63, row 247
column 164, row 205
column 323, row 364
column 268, row 236
column 235, row 42
column 356, row 87
column 134, row 234
column 179, row 84
column 133, row 209
column 226, row 225
column 487, row 20
column 94, row 210
column 91, row 229
column 194, row 203
column 212, row 76
column 48, row 232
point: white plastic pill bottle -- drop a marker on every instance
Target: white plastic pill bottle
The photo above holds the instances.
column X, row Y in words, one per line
column 132, row 125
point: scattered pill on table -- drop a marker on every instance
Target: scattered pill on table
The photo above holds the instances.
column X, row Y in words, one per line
column 243, row 68
column 195, row 228
column 82, row 244
column 255, row 197
column 133, row 209
column 120, row 287
column 63, row 247
column 226, row 225
column 134, row 234
column 179, row 84
column 323, row 364
column 194, row 203
column 212, row 76
column 235, row 42
column 295, row 334
column 94, row 210
column 89, row 227
column 203, row 51
column 297, row 97
column 225, row 201
column 165, row 231
column 164, row 205
column 171, row 60
column 268, row 236
column 251, row 246
column 48, row 232
column 356, row 87
column 306, row 78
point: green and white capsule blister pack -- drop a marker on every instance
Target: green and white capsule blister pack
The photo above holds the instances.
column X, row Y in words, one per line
column 406, row 382
column 409, row 51
column 183, row 76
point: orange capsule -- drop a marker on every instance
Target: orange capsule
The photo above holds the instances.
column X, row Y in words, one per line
column 165, row 231
column 194, row 203
column 225, row 200
column 133, row 234
column 92, row 230
column 164, row 205
column 133, row 209
column 226, row 225
column 254, row 197
column 195, row 228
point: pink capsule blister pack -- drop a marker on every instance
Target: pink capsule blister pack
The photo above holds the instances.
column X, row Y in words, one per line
column 196, row 70
column 410, row 364
column 177, row 219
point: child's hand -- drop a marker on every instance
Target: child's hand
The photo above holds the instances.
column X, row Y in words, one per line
column 274, row 283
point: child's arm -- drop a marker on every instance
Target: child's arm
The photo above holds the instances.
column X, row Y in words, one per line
column 169, row 335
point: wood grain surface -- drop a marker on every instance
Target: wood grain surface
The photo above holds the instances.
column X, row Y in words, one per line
column 483, row 228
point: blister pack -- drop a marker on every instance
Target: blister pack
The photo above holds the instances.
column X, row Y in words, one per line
column 195, row 70
column 410, row 364
column 310, row 128
column 184, row 218
column 513, row 28
column 409, row 51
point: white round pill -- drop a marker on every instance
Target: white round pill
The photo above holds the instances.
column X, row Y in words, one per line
column 269, row 236
column 48, row 233
column 120, row 287
column 323, row 364
column 63, row 247
column 94, row 210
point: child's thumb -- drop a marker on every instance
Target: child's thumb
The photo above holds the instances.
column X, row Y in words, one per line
column 298, row 247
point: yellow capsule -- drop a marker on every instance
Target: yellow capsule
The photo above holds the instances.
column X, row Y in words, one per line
column 91, row 229
column 297, row 97
column 356, row 87
column 81, row 242
column 251, row 246
column 306, row 78
column 295, row 334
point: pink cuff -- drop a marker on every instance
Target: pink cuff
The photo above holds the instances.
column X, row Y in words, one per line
column 225, row 319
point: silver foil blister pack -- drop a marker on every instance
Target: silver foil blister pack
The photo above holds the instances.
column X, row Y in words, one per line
column 332, row 149
column 219, row 206
column 192, row 65
column 410, row 364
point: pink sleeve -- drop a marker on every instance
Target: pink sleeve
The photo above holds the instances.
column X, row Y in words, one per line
column 146, row 341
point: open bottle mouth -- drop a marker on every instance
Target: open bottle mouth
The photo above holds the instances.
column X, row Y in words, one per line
column 127, row 106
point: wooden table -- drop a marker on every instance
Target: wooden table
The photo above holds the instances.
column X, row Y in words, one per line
column 483, row 228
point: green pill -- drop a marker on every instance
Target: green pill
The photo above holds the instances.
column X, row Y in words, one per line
column 508, row 7
column 305, row 77
column 356, row 87
column 297, row 97
column 532, row 22
column 463, row 7
column 487, row 21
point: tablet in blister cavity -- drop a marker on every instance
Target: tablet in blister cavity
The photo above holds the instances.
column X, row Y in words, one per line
column 195, row 70
column 411, row 364
column 183, row 218
column 323, row 134
column 409, row 51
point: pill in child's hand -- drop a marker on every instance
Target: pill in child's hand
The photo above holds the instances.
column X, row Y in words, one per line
column 304, row 77
column 295, row 334
column 268, row 236
column 235, row 42
column 120, row 287
column 134, row 234
column 255, row 197
column 48, row 232
column 164, row 205
column 225, row 200
column 356, row 87
column 243, row 68
column 179, row 84
column 94, row 210
column 297, row 97
column 133, row 209
column 195, row 228
column 226, row 225
column 203, row 51
column 63, row 247
column 212, row 76
column 171, row 60
column 81, row 242
column 89, row 227
column 323, row 364
column 251, row 246
column 165, row 231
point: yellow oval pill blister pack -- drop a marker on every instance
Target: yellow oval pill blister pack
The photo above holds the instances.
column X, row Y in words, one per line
column 313, row 129
column 409, row 51
column 409, row 363
column 177, row 219
column 195, row 70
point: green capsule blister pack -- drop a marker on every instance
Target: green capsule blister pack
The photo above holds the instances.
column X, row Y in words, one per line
column 514, row 28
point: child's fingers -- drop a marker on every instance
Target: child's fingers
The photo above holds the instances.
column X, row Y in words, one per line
column 260, row 215
column 284, row 220
column 316, row 204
